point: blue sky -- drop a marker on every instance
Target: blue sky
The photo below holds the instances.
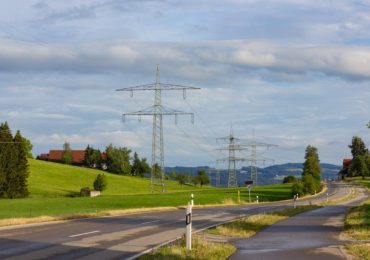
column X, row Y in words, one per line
column 297, row 72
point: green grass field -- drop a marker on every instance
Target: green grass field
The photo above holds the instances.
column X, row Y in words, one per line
column 53, row 186
column 357, row 225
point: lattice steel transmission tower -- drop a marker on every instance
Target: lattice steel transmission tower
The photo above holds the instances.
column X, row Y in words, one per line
column 254, row 158
column 233, row 147
column 158, row 111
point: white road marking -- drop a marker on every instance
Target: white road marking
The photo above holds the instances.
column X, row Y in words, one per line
column 149, row 222
column 87, row 233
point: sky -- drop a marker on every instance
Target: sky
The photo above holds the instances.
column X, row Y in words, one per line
column 296, row 73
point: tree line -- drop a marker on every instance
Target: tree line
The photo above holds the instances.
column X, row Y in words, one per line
column 200, row 179
column 117, row 160
column 14, row 171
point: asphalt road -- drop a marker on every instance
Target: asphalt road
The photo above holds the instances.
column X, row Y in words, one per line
column 310, row 235
column 123, row 237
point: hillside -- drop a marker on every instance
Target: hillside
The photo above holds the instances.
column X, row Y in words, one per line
column 269, row 175
column 49, row 179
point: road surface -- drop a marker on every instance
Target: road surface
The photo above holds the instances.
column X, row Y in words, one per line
column 123, row 237
column 310, row 235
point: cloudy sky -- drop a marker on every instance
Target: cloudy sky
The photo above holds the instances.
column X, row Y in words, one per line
column 297, row 72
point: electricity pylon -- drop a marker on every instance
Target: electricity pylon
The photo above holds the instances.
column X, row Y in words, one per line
column 158, row 111
column 254, row 158
column 233, row 146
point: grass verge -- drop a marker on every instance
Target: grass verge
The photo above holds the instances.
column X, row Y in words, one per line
column 201, row 249
column 249, row 226
column 362, row 251
column 357, row 226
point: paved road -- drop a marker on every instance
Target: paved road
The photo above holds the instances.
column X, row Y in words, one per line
column 121, row 237
column 310, row 235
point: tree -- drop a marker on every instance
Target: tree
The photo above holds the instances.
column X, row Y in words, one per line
column 311, row 174
column 20, row 189
column 358, row 147
column 7, row 158
column 172, row 175
column 289, row 179
column 118, row 160
column 297, row 188
column 203, row 178
column 67, row 157
column 92, row 157
column 13, row 164
column 182, row 178
column 139, row 166
column 100, row 182
column 27, row 147
column 359, row 166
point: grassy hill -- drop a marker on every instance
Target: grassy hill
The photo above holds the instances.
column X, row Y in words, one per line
column 49, row 179
column 53, row 188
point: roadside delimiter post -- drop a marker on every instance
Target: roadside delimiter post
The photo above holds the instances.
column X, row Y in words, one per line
column 188, row 226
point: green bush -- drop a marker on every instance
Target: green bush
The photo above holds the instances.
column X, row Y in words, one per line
column 298, row 188
column 100, row 182
column 85, row 192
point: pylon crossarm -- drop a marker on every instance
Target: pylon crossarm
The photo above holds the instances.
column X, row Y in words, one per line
column 159, row 86
column 236, row 147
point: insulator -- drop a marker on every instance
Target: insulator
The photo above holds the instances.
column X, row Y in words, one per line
column 184, row 93
column 123, row 118
column 192, row 119
column 175, row 119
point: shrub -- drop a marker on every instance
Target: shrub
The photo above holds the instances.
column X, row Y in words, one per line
column 297, row 188
column 85, row 192
column 100, row 182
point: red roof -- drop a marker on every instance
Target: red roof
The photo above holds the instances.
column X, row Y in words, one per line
column 347, row 162
column 77, row 155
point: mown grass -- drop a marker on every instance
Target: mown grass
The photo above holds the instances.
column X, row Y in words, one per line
column 362, row 251
column 201, row 249
column 49, row 179
column 53, row 186
column 249, row 226
column 357, row 225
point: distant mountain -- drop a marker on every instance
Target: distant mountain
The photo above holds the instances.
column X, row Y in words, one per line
column 268, row 175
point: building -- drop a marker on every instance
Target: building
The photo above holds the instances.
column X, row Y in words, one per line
column 344, row 172
column 77, row 157
column 57, row 155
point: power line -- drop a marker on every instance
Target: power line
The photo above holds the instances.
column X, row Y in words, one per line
column 233, row 146
column 254, row 157
column 158, row 111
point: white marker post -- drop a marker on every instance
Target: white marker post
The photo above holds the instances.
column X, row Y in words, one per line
column 192, row 199
column 257, row 199
column 327, row 197
column 294, row 200
column 188, row 226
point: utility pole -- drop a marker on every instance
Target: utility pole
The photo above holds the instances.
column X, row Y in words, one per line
column 158, row 111
column 254, row 158
column 232, row 147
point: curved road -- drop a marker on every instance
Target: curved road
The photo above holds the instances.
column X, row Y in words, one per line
column 125, row 237
column 310, row 235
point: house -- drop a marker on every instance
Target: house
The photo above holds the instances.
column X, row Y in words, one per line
column 77, row 157
column 344, row 172
column 57, row 155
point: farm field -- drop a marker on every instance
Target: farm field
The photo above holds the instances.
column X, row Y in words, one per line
column 54, row 187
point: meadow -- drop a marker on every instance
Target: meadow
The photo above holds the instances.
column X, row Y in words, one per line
column 54, row 190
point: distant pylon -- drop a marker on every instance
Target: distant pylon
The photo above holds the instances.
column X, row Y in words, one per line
column 233, row 146
column 254, row 158
column 158, row 111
